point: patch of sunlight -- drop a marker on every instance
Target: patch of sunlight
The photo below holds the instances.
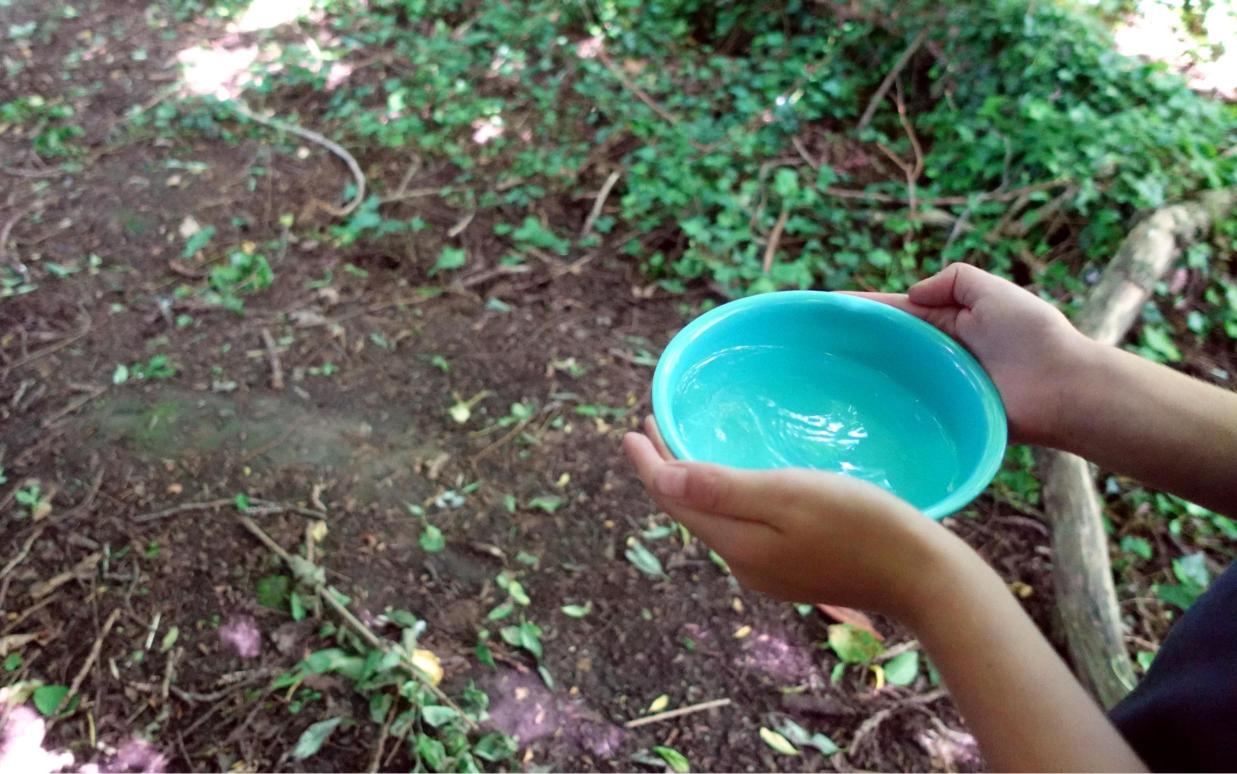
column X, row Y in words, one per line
column 213, row 70
column 1155, row 30
column 265, row 14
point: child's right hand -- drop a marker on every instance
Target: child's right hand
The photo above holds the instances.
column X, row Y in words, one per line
column 1027, row 346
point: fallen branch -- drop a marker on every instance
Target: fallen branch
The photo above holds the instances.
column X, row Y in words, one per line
column 311, row 575
column 599, row 203
column 272, row 353
column 898, row 66
column 314, row 137
column 1082, row 574
column 677, row 713
column 85, row 670
column 634, row 89
column 774, row 238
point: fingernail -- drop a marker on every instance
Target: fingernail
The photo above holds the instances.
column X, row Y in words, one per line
column 671, row 481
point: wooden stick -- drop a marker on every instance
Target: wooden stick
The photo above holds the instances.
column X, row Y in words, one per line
column 314, row 137
column 272, row 353
column 599, row 203
column 774, row 237
column 90, row 660
column 883, row 89
column 327, row 594
column 1082, row 574
column 677, row 713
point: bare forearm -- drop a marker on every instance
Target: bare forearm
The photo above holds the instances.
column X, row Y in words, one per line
column 1147, row 421
column 1020, row 700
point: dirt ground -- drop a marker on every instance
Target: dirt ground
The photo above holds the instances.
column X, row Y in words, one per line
column 142, row 474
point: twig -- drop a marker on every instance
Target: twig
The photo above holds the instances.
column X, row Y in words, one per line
column 268, row 506
column 73, row 406
column 176, row 509
column 13, row 221
column 912, row 174
column 883, row 89
column 272, row 352
column 168, row 670
column 774, row 237
column 634, row 89
column 45, row 588
column 33, row 356
column 258, row 451
column 944, row 201
column 677, row 713
column 376, row 761
column 599, row 203
column 326, row 593
column 86, row 667
column 33, row 174
column 314, row 137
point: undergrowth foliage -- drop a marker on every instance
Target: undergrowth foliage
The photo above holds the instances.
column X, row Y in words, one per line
column 1014, row 137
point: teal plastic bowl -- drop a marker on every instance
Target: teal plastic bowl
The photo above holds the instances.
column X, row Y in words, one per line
column 808, row 379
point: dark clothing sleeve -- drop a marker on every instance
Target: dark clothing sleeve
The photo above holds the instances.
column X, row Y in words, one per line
column 1183, row 716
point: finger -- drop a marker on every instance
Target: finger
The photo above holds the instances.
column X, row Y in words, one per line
column 724, row 534
column 960, row 284
column 654, row 433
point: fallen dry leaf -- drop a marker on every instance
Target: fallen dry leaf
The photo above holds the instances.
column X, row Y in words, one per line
column 853, row 617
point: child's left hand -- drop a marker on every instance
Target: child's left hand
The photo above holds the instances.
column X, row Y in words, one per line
column 802, row 535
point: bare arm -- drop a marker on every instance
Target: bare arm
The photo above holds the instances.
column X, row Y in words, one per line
column 816, row 537
column 1152, row 423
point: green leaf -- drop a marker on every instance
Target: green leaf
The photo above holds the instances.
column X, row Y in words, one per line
column 313, row 738
column 297, row 606
column 47, row 698
column 197, row 240
column 903, row 668
column 577, row 611
column 674, row 759
column 169, row 639
column 1138, row 546
column 1174, row 594
column 1191, row 570
column 437, row 715
column 546, row 677
column 853, row 645
column 644, row 560
column 431, row 752
column 12, row 662
column 495, row 747
column 273, row 591
column 380, row 707
column 450, row 258
column 800, row 736
column 778, row 742
column 547, row 503
column 500, row 612
column 1160, row 341
column 121, row 374
column 432, row 540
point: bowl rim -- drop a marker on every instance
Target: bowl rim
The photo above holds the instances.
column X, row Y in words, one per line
column 996, row 438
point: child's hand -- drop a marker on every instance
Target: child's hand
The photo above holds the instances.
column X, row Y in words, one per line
column 1027, row 346
column 800, row 535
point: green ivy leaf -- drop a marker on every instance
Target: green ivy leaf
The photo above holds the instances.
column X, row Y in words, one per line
column 47, row 698
column 450, row 258
column 437, row 715
column 273, row 591
column 314, row 737
column 674, row 759
column 903, row 668
column 778, row 742
column 644, row 560
column 853, row 645
column 432, row 540
column 495, row 747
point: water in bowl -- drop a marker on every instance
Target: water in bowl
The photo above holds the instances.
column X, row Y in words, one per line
column 767, row 407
